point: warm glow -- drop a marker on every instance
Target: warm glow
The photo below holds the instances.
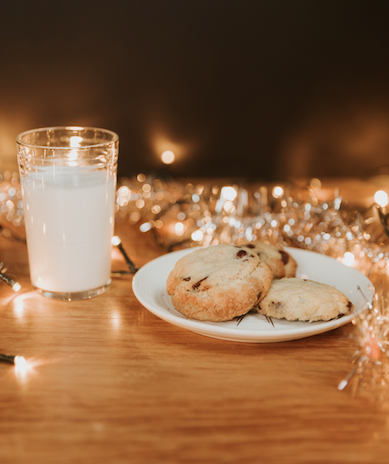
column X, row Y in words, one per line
column 73, row 156
column 348, row 259
column 75, row 141
column 134, row 217
column 21, row 368
column 277, row 192
column 168, row 157
column 115, row 319
column 160, row 143
column 381, row 198
column 315, row 183
column 115, row 240
column 123, row 196
column 229, row 193
column 197, row 236
column 179, row 228
column 156, row 209
column 228, row 207
column 16, row 287
column 18, row 307
column 124, row 191
column 145, row 227
column 19, row 361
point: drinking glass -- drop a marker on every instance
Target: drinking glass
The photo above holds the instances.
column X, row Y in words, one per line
column 68, row 179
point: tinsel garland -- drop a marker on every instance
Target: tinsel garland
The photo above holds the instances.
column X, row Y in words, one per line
column 208, row 215
column 184, row 215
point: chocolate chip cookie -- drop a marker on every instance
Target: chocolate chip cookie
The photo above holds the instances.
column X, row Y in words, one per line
column 281, row 263
column 304, row 300
column 218, row 283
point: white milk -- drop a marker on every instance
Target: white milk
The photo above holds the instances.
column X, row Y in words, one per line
column 69, row 216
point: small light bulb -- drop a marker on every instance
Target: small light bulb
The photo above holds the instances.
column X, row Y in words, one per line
column 19, row 361
column 16, row 287
column 381, row 198
column 115, row 241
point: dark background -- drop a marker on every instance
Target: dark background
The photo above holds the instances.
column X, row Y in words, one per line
column 260, row 89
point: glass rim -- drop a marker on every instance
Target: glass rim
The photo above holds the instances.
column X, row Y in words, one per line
column 115, row 137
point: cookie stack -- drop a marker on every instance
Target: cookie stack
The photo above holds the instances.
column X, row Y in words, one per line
column 222, row 282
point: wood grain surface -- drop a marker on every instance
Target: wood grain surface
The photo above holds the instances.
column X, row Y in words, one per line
column 111, row 383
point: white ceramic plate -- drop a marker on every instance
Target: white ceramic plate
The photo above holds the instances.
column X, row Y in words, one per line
column 149, row 286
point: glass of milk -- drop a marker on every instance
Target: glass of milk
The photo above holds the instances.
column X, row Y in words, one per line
column 68, row 178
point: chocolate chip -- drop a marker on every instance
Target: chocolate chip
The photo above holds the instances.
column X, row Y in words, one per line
column 241, row 253
column 284, row 256
column 187, row 279
column 250, row 245
column 197, row 284
column 349, row 305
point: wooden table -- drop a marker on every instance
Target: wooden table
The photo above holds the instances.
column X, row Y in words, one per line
column 111, row 383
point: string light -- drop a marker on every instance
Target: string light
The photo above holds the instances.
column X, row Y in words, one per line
column 381, row 198
column 116, row 241
column 18, row 361
column 14, row 285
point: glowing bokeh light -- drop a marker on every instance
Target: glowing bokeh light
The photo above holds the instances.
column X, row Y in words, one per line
column 228, row 207
column 115, row 240
column 197, row 236
column 229, row 193
column 179, row 228
column 145, row 227
column 134, row 217
column 75, row 141
column 315, row 183
column 168, row 157
column 381, row 198
column 20, row 361
column 348, row 259
column 277, row 191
